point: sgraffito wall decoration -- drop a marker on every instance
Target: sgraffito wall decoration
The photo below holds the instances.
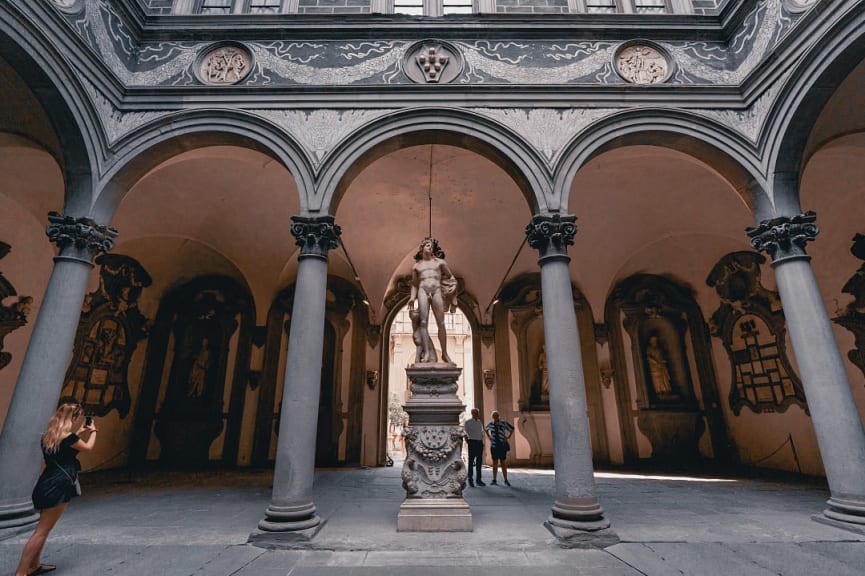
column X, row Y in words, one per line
column 750, row 323
column 12, row 315
column 109, row 331
column 853, row 317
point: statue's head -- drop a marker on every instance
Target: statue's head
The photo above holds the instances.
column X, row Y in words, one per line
column 432, row 245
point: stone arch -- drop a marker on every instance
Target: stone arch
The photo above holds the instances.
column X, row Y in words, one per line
column 433, row 126
column 812, row 83
column 158, row 141
column 714, row 145
column 54, row 86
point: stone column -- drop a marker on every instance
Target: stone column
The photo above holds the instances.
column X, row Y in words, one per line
column 44, row 368
column 291, row 515
column 577, row 517
column 836, row 420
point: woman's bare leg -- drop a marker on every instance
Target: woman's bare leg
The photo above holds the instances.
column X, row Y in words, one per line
column 30, row 557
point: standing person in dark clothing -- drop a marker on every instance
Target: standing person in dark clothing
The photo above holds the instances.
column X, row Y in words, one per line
column 475, row 437
column 58, row 483
column 498, row 431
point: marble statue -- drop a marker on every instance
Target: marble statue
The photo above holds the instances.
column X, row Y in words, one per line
column 432, row 287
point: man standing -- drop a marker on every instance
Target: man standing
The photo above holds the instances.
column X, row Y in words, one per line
column 475, row 437
column 498, row 432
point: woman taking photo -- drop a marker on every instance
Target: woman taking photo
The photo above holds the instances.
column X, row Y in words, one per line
column 59, row 480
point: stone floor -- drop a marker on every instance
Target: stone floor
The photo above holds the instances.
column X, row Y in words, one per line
column 198, row 524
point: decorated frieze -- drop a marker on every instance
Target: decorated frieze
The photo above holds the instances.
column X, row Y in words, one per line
column 334, row 62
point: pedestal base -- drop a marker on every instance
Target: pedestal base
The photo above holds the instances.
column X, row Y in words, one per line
column 595, row 534
column 434, row 515
column 832, row 519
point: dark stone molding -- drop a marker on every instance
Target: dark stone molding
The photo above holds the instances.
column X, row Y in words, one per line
column 746, row 306
column 110, row 328
column 315, row 235
column 784, row 237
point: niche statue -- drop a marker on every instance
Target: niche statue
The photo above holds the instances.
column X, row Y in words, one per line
column 432, row 286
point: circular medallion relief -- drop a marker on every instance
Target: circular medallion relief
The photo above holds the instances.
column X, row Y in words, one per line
column 641, row 62
column 70, row 6
column 432, row 62
column 796, row 6
column 224, row 64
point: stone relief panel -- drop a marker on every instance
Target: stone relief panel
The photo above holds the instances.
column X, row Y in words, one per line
column 223, row 64
column 109, row 331
column 12, row 315
column 853, row 316
column 433, row 467
column 641, row 62
column 750, row 323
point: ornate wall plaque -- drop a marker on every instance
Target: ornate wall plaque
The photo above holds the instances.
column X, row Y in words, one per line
column 108, row 333
column 15, row 314
column 641, row 62
column 751, row 324
column 224, row 64
column 432, row 62
column 853, row 317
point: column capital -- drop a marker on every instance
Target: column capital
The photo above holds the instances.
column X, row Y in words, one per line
column 784, row 237
column 315, row 235
column 81, row 236
column 552, row 234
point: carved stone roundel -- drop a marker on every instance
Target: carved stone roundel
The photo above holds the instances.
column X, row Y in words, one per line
column 432, row 62
column 641, row 62
column 224, row 64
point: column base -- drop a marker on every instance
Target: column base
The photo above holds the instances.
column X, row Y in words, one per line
column 289, row 518
column 434, row 515
column 286, row 538
column 845, row 514
column 16, row 518
column 591, row 534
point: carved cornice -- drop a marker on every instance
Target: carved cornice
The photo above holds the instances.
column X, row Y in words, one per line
column 83, row 234
column 784, row 238
column 315, row 235
column 551, row 235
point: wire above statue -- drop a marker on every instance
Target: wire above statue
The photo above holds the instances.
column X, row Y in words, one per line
column 433, row 286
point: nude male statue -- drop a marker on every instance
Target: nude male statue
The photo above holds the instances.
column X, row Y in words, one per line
column 432, row 286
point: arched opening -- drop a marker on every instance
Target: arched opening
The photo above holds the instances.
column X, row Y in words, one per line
column 402, row 351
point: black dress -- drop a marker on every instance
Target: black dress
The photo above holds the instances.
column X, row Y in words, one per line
column 56, row 485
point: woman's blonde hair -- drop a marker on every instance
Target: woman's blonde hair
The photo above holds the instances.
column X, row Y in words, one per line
column 60, row 426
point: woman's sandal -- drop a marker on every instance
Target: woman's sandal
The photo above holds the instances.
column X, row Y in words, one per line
column 43, row 569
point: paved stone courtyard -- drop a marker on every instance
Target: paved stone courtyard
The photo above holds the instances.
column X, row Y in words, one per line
column 197, row 524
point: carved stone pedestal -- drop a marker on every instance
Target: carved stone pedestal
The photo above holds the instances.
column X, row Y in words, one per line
column 434, row 474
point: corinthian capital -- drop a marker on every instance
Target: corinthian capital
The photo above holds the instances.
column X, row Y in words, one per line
column 551, row 235
column 316, row 235
column 784, row 237
column 84, row 235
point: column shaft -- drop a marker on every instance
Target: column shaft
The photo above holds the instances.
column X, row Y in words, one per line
column 45, row 362
column 833, row 409
column 836, row 420
column 292, row 511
